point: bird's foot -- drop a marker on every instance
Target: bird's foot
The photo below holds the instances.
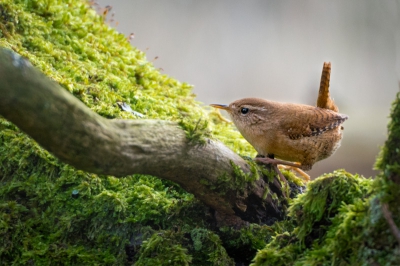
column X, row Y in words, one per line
column 305, row 176
column 285, row 165
column 266, row 160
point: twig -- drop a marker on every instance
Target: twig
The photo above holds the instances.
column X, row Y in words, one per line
column 388, row 216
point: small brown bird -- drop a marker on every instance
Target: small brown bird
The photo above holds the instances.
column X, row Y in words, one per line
column 290, row 132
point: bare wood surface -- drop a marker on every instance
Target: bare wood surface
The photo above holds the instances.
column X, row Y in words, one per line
column 324, row 100
column 67, row 128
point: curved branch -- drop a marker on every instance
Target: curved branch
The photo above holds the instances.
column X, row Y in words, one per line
column 76, row 135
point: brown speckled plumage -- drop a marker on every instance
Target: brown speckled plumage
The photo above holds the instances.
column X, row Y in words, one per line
column 291, row 132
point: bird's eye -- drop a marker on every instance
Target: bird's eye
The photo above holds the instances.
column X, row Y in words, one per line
column 244, row 110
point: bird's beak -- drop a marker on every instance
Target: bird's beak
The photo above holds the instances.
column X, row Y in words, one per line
column 220, row 106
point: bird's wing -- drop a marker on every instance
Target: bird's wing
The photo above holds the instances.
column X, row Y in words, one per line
column 309, row 122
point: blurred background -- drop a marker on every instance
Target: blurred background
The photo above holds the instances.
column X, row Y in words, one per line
column 231, row 49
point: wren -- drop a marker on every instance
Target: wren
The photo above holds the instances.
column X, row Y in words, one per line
column 293, row 133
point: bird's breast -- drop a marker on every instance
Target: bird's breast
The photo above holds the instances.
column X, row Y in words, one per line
column 311, row 148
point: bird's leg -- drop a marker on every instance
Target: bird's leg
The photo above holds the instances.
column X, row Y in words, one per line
column 271, row 161
column 294, row 166
column 268, row 160
column 305, row 176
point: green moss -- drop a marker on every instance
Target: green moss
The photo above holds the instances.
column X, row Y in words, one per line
column 164, row 248
column 316, row 214
column 243, row 244
column 239, row 182
column 322, row 201
column 269, row 174
column 241, row 179
column 174, row 248
column 280, row 251
column 292, row 178
column 208, row 248
column 198, row 132
column 71, row 44
column 389, row 158
column 52, row 214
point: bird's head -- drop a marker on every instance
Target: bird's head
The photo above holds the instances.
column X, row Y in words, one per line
column 247, row 112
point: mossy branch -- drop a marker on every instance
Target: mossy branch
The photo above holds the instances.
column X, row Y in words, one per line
column 67, row 128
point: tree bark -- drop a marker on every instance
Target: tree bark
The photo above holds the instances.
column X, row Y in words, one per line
column 67, row 128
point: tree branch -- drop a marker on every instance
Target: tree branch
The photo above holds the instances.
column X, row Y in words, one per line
column 67, row 128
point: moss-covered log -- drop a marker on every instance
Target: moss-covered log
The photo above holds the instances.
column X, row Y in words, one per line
column 78, row 136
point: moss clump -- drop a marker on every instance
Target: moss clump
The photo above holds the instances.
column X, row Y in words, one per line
column 389, row 158
column 164, row 248
column 244, row 243
column 239, row 182
column 314, row 210
column 315, row 215
column 209, row 248
column 241, row 179
column 51, row 217
column 175, row 248
column 198, row 132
